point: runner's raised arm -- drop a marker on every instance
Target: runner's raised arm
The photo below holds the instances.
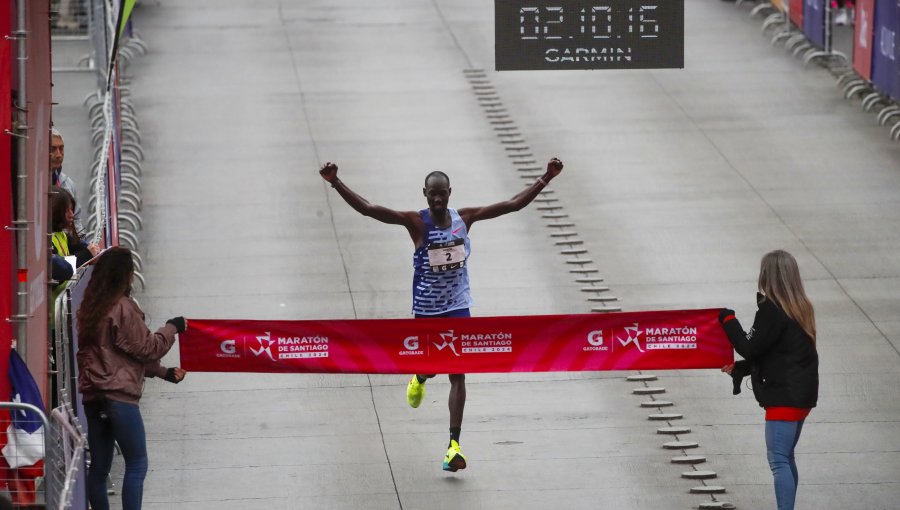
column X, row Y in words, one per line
column 408, row 219
column 472, row 214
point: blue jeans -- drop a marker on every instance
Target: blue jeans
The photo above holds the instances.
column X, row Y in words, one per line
column 781, row 438
column 118, row 422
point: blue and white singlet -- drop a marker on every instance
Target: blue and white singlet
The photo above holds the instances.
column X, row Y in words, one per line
column 441, row 288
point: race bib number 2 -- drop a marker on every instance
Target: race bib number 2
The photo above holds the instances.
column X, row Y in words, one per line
column 446, row 256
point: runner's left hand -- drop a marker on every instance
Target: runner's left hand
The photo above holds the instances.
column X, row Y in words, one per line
column 554, row 167
column 328, row 171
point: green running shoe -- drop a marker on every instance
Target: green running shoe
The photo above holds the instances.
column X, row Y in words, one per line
column 415, row 392
column 454, row 460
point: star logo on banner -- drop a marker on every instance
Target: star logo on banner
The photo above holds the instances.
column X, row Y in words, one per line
column 265, row 345
column 448, row 339
column 632, row 337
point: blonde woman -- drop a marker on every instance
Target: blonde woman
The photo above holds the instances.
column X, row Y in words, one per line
column 780, row 356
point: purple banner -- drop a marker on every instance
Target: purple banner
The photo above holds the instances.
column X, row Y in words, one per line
column 885, row 69
column 814, row 21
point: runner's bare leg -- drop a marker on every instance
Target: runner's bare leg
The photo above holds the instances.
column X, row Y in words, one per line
column 457, row 400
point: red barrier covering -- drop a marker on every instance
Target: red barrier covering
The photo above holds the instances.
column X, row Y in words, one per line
column 795, row 11
column 862, row 38
column 8, row 280
column 7, row 245
column 674, row 339
column 40, row 100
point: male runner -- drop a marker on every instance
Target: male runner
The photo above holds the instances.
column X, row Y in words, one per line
column 441, row 279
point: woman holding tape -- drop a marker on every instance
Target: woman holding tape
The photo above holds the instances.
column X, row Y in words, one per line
column 780, row 356
column 115, row 352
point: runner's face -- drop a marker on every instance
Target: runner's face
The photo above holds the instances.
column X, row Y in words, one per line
column 437, row 193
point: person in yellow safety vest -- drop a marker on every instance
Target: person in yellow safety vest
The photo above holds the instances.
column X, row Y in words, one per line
column 64, row 241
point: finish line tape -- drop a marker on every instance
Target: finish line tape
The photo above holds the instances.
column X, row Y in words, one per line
column 670, row 339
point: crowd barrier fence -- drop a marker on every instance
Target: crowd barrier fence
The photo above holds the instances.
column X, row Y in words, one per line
column 53, row 484
column 872, row 73
column 59, row 480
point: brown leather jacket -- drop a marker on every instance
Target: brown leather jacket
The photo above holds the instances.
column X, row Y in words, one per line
column 115, row 365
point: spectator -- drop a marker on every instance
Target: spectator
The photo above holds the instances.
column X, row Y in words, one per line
column 780, row 356
column 116, row 351
column 59, row 178
column 65, row 241
column 60, row 270
column 843, row 12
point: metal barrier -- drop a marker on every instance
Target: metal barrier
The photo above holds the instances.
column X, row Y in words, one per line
column 115, row 204
column 65, row 463
column 777, row 16
column 65, row 458
column 23, row 453
column 71, row 23
column 71, row 18
column 62, row 366
column 875, row 39
column 62, row 446
column 795, row 38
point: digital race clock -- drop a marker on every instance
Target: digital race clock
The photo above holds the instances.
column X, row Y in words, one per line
column 588, row 34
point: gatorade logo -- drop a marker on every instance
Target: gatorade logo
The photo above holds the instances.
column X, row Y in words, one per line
column 228, row 349
column 595, row 341
column 411, row 347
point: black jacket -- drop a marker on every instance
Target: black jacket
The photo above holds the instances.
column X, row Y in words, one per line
column 781, row 359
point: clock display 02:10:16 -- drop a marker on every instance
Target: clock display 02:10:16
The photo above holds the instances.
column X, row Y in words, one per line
column 600, row 22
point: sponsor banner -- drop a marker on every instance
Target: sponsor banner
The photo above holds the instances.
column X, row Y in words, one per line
column 814, row 21
column 862, row 38
column 795, row 12
column 673, row 339
column 885, row 75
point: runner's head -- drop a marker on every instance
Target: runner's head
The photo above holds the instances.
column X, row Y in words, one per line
column 437, row 191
